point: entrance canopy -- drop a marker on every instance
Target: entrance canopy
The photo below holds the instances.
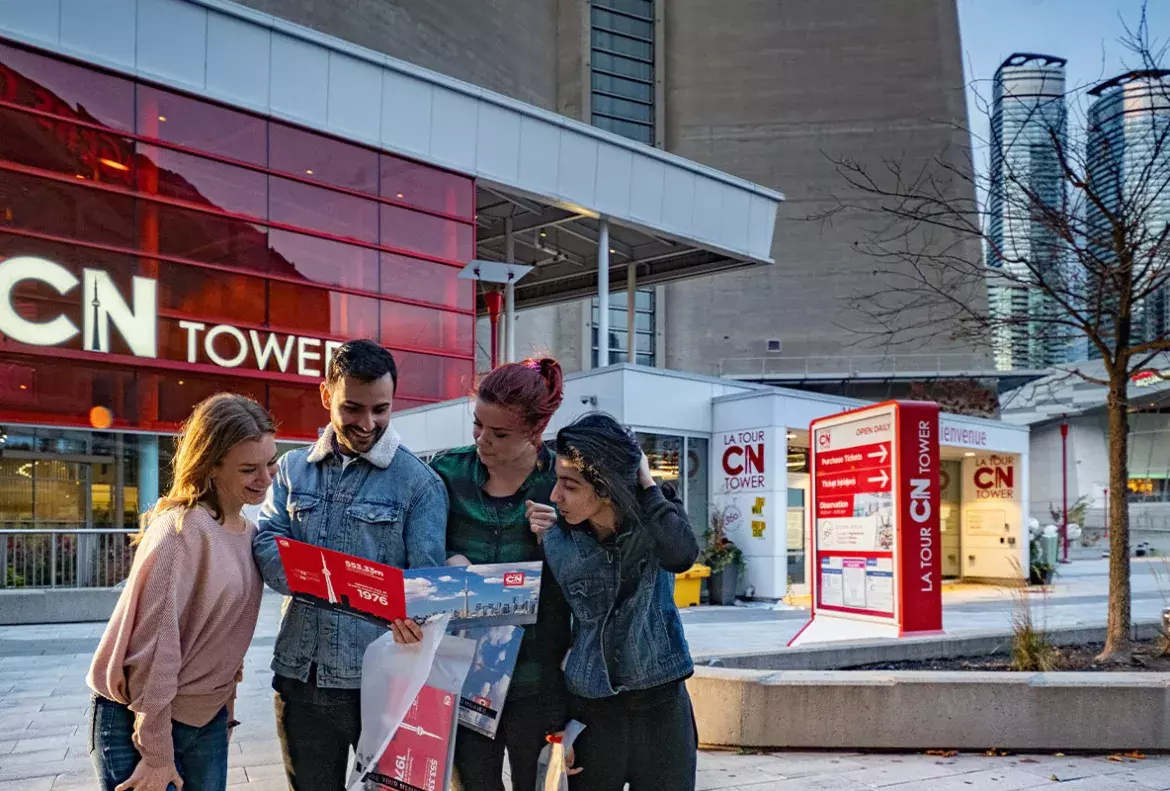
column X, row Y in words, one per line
column 561, row 185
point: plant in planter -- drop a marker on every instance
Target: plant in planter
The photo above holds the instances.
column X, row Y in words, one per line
column 725, row 560
column 1040, row 571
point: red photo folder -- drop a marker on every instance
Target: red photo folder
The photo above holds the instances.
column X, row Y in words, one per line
column 343, row 582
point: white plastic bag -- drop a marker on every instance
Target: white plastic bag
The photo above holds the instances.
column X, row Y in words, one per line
column 551, row 772
column 393, row 675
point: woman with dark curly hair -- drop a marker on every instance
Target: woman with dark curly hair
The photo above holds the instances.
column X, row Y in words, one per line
column 618, row 542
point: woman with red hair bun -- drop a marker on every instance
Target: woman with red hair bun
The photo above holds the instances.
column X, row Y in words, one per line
column 491, row 485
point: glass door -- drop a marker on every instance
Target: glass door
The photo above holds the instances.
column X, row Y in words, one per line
column 950, row 508
column 795, row 536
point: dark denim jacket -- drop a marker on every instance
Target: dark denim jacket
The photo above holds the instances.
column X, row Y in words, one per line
column 386, row 506
column 634, row 640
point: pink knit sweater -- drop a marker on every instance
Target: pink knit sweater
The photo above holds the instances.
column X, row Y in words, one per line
column 174, row 647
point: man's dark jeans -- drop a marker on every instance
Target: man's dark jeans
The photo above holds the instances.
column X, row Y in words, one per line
column 317, row 729
column 524, row 724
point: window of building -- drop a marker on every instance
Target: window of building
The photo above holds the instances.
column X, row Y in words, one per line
column 622, row 59
column 290, row 238
column 1149, row 490
column 644, row 341
column 682, row 462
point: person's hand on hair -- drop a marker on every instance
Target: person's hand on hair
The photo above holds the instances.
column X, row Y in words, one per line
column 645, row 479
column 540, row 518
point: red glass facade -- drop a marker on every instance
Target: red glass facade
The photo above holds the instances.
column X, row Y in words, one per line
column 266, row 243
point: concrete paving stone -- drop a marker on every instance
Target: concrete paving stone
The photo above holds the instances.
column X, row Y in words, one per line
column 24, row 690
column 81, row 780
column 15, row 722
column 17, row 710
column 264, row 771
column 723, row 778
column 272, row 784
column 827, row 782
column 1070, row 767
column 892, row 772
column 1155, row 777
column 28, row 784
column 63, row 702
column 237, row 775
column 805, row 764
column 36, row 745
column 43, row 754
column 73, row 715
column 44, row 768
column 63, row 730
column 1004, row 779
column 1100, row 783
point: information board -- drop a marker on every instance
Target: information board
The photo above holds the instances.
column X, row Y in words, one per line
column 875, row 509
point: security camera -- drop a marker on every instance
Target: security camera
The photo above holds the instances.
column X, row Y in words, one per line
column 590, row 400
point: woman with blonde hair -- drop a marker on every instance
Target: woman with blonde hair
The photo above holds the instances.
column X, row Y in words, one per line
column 165, row 673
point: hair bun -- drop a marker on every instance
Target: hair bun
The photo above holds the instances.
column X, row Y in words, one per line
column 550, row 371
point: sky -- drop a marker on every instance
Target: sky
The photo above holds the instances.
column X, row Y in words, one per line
column 1087, row 32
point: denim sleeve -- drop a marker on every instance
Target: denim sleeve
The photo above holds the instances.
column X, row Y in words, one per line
column 273, row 523
column 425, row 527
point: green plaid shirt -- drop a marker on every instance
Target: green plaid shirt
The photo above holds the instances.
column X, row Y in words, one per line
column 495, row 530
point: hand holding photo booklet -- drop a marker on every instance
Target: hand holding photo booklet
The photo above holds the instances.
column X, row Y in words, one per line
column 486, row 603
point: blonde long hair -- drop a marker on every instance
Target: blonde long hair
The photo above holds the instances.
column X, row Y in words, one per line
column 217, row 424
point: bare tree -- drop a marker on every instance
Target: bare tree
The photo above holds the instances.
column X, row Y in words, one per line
column 1077, row 250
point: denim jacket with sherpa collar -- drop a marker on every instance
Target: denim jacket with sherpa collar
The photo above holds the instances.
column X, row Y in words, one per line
column 627, row 634
column 386, row 506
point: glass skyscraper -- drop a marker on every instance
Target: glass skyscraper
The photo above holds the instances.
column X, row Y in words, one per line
column 1028, row 127
column 1129, row 169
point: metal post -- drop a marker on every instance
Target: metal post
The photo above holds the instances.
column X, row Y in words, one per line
column 1064, row 485
column 631, row 313
column 509, row 295
column 603, row 293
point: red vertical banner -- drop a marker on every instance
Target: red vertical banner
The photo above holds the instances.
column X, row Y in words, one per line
column 918, row 502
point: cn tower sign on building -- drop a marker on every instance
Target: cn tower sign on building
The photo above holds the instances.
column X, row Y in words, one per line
column 875, row 536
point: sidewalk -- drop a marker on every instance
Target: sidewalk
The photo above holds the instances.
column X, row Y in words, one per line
column 43, row 702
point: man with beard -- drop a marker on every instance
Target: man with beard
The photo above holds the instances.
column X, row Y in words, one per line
column 359, row 491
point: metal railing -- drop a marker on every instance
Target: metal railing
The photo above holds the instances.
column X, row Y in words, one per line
column 64, row 558
column 779, row 365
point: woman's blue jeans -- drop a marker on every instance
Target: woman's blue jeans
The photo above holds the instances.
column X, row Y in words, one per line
column 201, row 754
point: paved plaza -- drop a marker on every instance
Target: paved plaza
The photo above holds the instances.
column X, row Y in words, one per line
column 43, row 701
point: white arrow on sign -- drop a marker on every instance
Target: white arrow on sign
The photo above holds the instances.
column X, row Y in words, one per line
column 883, row 479
column 881, row 453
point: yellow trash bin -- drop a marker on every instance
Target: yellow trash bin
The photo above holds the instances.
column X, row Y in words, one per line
column 687, row 585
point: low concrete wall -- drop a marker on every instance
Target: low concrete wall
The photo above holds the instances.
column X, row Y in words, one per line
column 62, row 605
column 878, row 710
column 838, row 656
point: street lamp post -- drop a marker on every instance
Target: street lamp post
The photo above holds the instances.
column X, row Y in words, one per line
column 1064, row 486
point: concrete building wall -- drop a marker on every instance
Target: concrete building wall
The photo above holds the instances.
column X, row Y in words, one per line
column 766, row 90
column 509, row 46
column 758, row 88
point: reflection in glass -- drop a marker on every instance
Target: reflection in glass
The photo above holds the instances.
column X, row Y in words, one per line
column 205, row 182
column 698, row 502
column 323, row 159
column 65, row 90
column 327, row 262
column 201, row 125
